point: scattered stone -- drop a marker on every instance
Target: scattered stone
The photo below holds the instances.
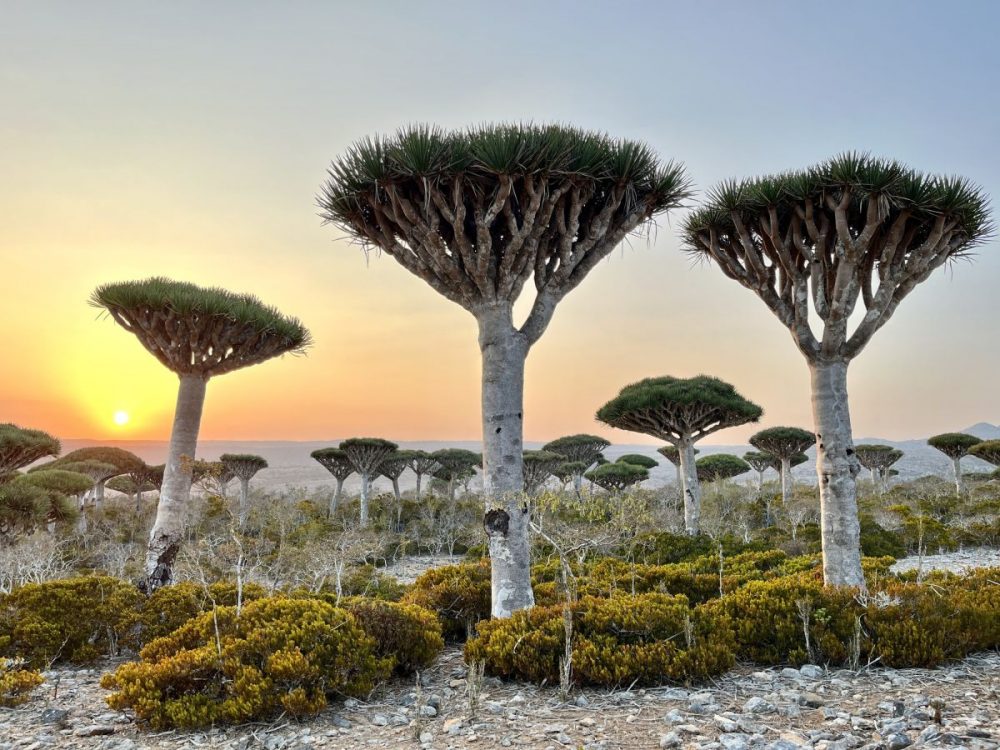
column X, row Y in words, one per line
column 758, row 705
column 811, row 671
column 55, row 716
column 897, row 741
column 94, row 730
column 671, row 739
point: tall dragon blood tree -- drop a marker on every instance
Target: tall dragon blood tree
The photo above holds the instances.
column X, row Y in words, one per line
column 198, row 333
column 814, row 243
column 955, row 445
column 335, row 461
column 577, row 449
column 784, row 443
column 366, row 456
column 422, row 463
column 476, row 214
column 682, row 412
column 877, row 459
column 244, row 467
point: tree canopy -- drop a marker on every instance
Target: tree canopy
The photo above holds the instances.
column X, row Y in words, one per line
column 456, row 463
column 242, row 465
column 953, row 444
column 578, row 448
column 335, row 461
column 720, row 466
column 988, row 450
column 673, row 455
column 476, row 212
column 20, row 446
column 761, row 461
column 783, row 442
column 853, row 225
column 538, row 467
column 200, row 330
column 676, row 409
column 877, row 457
column 637, row 459
column 615, row 477
column 366, row 454
column 121, row 462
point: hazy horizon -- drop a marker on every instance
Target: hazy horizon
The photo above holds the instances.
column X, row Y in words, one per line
column 190, row 140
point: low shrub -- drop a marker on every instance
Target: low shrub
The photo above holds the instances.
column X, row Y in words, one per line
column 664, row 548
column 369, row 581
column 408, row 634
column 280, row 656
column 16, row 682
column 646, row 639
column 879, row 542
column 74, row 620
column 458, row 594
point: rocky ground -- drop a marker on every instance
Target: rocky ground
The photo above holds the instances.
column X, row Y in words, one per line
column 957, row 706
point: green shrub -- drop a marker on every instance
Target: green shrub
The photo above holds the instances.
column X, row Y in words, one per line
column 408, row 634
column 664, row 548
column 879, row 542
column 280, row 656
column 460, row 595
column 647, row 639
column 369, row 581
column 74, row 620
column 16, row 682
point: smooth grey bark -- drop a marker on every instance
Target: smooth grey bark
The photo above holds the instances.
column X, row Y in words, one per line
column 244, row 499
column 690, row 488
column 365, row 485
column 786, row 481
column 959, row 483
column 837, row 468
column 420, row 476
column 168, row 529
column 504, row 350
column 335, row 500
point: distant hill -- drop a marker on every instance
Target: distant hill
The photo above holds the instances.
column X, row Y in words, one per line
column 291, row 466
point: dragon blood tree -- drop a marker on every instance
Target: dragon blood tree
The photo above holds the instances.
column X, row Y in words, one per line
column 814, row 243
column 242, row 466
column 637, row 459
column 578, row 449
column 335, row 461
column 455, row 464
column 617, row 477
column 955, row 445
column 20, row 447
column 783, row 443
column 197, row 333
column 392, row 468
column 422, row 463
column 62, row 488
column 720, row 466
column 478, row 213
column 877, row 459
column 366, row 456
column 761, row 462
column 538, row 467
column 682, row 412
column 987, row 450
column 115, row 461
column 673, row 455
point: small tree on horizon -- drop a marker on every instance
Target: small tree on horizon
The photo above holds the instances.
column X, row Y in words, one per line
column 115, row 460
column 783, row 443
column 682, row 412
column 244, row 467
column 422, row 464
column 617, row 477
column 761, row 462
column 955, row 445
column 454, row 465
column 476, row 214
column 366, row 456
column 197, row 333
column 878, row 459
column 335, row 461
column 538, row 467
column 813, row 243
column 578, row 449
column 720, row 466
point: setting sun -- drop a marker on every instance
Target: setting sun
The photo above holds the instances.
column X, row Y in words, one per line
column 121, row 417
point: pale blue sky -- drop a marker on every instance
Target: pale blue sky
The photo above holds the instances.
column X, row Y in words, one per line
column 190, row 138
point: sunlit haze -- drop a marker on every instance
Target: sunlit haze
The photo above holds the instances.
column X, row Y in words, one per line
column 189, row 140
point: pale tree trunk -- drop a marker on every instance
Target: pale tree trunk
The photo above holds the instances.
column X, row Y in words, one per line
column 837, row 468
column 335, row 500
column 395, row 490
column 99, row 494
column 419, row 477
column 244, row 500
column 786, row 482
column 365, row 483
column 690, row 487
column 168, row 529
column 506, row 522
column 959, row 484
column 578, row 484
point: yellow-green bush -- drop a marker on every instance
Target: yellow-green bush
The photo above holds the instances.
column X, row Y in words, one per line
column 73, row 620
column 767, row 619
column 646, row 639
column 16, row 682
column 408, row 634
column 280, row 655
column 458, row 594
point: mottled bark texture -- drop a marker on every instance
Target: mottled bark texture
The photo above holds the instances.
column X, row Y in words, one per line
column 168, row 529
column 811, row 245
column 690, row 486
